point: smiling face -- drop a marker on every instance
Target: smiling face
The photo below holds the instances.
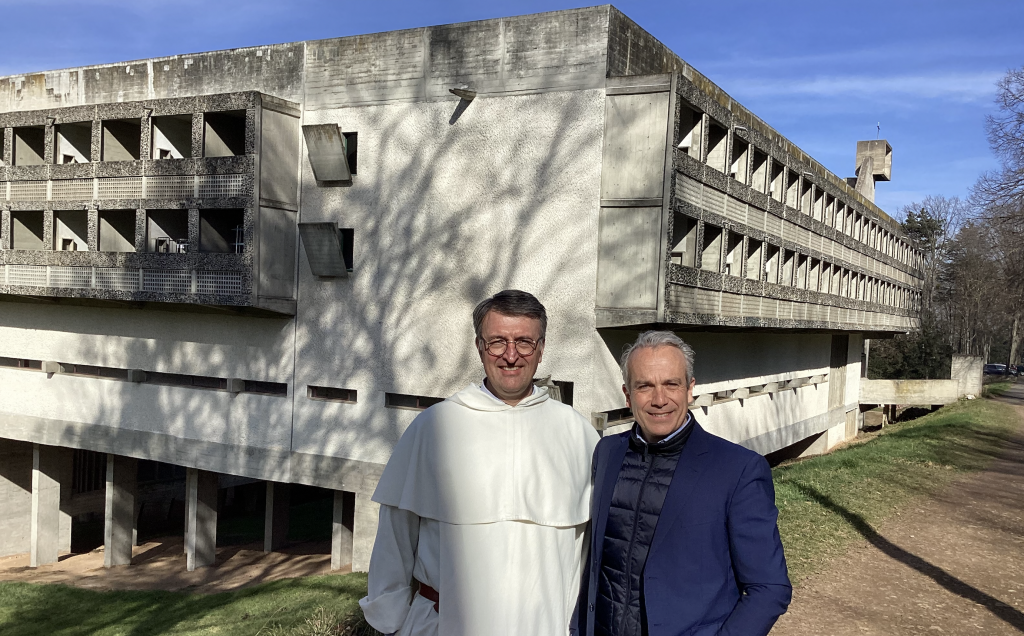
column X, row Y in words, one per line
column 658, row 393
column 510, row 375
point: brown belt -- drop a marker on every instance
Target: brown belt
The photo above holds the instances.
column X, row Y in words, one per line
column 430, row 594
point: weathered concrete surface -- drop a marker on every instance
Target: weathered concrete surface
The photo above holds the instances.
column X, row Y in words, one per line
column 200, row 518
column 909, row 392
column 968, row 371
column 119, row 510
column 15, row 496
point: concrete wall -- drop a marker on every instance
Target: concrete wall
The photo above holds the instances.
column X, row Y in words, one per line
column 913, row 392
column 15, row 496
column 968, row 372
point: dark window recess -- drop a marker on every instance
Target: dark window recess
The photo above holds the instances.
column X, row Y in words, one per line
column 222, row 231
column 18, row 363
column 179, row 379
column 88, row 472
column 619, row 416
column 224, row 134
column 331, row 393
column 351, row 149
column 418, row 402
column 565, row 389
column 266, row 388
column 151, row 471
column 93, row 371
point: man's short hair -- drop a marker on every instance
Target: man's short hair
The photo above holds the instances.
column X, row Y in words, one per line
column 511, row 302
column 651, row 340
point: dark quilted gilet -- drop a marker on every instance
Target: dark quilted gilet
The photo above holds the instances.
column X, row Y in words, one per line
column 636, row 504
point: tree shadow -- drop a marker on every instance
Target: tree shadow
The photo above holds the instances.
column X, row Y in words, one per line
column 999, row 609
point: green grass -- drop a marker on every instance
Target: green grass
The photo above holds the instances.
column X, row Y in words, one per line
column 997, row 388
column 279, row 607
column 826, row 502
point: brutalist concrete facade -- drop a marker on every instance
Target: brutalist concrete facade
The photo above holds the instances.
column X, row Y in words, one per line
column 592, row 167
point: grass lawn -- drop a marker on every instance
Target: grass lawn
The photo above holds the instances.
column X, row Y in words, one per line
column 824, row 504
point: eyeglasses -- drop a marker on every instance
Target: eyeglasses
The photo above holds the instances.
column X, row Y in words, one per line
column 498, row 346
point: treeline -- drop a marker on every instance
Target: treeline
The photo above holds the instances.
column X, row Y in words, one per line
column 973, row 249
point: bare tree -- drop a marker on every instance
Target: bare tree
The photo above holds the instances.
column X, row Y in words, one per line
column 1002, row 191
column 930, row 225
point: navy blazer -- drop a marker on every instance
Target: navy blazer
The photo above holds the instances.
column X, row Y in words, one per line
column 716, row 565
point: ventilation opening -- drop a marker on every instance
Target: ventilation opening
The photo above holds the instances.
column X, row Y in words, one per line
column 167, row 231
column 718, row 138
column 618, row 416
column 71, row 231
column 222, row 231
column 564, row 391
column 689, row 131
column 331, row 394
column 351, row 150
column 27, row 230
column 738, row 163
column 754, row 250
column 172, row 137
column 20, row 363
column 771, row 263
column 122, row 140
column 734, row 255
column 759, row 171
column 684, row 240
column 711, row 254
column 224, row 134
column 777, row 187
column 117, row 230
column 29, row 146
column 73, row 142
column 415, row 402
column 265, row 388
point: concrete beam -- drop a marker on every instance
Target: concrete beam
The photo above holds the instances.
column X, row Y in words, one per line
column 275, row 523
column 342, row 531
column 201, row 519
column 50, row 466
column 908, row 392
column 364, row 531
column 119, row 511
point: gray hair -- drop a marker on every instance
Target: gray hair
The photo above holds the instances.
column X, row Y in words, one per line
column 652, row 340
column 511, row 302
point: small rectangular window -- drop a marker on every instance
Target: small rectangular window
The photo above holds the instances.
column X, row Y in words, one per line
column 331, row 394
column 805, row 196
column 619, row 416
column 20, row 363
column 690, row 131
column 183, row 380
column 265, row 388
column 754, row 259
column 27, row 230
column 29, row 146
column 792, row 189
column 738, row 162
column 222, row 231
column 73, row 142
column 771, row 263
column 122, row 140
column 224, row 134
column 414, row 402
column 759, row 171
column 777, row 188
column 71, row 231
column 117, row 231
column 788, row 266
column 734, row 255
column 167, row 231
column 172, row 137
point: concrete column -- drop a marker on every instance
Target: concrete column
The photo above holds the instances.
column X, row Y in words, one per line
column 201, row 519
column 275, row 524
column 50, row 466
column 15, row 496
column 341, row 535
column 119, row 513
column 364, row 531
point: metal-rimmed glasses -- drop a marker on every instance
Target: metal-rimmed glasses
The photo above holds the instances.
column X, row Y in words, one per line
column 497, row 347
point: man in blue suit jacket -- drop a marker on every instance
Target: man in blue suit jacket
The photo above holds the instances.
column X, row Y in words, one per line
column 684, row 538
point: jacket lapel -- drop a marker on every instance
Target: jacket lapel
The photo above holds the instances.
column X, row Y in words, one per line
column 693, row 461
column 604, row 486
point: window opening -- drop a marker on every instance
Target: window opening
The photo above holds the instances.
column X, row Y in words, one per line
column 29, row 146
column 711, row 254
column 754, row 249
column 792, row 189
column 778, row 173
column 787, row 268
column 331, row 394
column 71, row 230
column 759, row 171
column 222, row 231
column 734, row 254
column 224, row 134
column 684, row 240
column 117, row 231
column 122, row 140
column 771, row 263
column 172, row 137
column 74, row 142
column 27, row 230
column 718, row 139
column 738, row 163
column 167, row 231
column 414, row 402
column 690, row 131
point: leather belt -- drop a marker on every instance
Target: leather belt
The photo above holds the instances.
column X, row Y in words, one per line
column 430, row 594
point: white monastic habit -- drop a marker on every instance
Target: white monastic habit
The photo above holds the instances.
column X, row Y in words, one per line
column 488, row 504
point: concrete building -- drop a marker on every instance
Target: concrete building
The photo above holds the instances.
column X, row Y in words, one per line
column 259, row 264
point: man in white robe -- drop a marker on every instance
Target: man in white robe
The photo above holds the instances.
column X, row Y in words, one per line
column 486, row 499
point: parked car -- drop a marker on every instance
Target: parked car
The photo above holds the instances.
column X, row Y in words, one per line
column 994, row 369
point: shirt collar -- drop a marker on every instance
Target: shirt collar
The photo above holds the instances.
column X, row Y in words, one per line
column 483, row 387
column 689, row 418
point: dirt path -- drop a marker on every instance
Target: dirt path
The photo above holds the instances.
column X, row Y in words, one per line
column 953, row 564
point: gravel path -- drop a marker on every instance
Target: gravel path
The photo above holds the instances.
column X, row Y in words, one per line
column 952, row 564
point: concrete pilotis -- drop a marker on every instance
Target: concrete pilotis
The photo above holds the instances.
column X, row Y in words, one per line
column 201, row 520
column 119, row 512
column 15, row 496
column 275, row 525
column 48, row 470
column 341, row 534
column 364, row 531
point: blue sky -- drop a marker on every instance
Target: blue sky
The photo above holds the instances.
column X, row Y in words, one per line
column 823, row 73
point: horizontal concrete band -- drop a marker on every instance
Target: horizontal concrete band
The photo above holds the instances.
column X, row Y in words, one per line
column 279, row 465
column 919, row 392
column 786, row 435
